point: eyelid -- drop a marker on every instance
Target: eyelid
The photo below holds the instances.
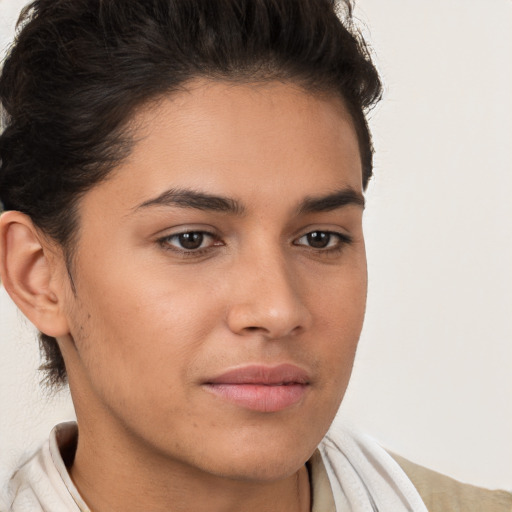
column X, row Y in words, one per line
column 192, row 227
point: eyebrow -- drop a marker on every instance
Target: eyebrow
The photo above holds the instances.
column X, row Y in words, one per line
column 184, row 198
column 333, row 201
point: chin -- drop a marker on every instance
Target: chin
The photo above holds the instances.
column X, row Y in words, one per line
column 261, row 468
column 258, row 458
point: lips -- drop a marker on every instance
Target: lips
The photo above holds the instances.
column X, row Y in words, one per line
column 261, row 388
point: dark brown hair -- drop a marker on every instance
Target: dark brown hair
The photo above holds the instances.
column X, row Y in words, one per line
column 79, row 68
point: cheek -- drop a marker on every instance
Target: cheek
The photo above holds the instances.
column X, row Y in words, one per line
column 338, row 296
column 140, row 336
column 339, row 309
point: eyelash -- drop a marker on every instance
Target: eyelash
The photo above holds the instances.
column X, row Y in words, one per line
column 165, row 242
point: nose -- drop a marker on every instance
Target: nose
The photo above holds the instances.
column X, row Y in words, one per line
column 267, row 299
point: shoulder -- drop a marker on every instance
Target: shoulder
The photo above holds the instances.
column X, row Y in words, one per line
column 42, row 483
column 20, row 494
column 443, row 494
column 362, row 475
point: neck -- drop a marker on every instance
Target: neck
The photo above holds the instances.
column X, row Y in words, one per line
column 112, row 472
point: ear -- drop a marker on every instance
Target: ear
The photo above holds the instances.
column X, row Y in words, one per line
column 30, row 273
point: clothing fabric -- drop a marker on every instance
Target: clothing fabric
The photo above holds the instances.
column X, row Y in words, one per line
column 348, row 472
column 43, row 483
column 443, row 494
column 364, row 477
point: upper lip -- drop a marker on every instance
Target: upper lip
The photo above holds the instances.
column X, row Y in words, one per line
column 262, row 374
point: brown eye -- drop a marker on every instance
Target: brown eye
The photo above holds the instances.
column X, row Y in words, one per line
column 327, row 241
column 318, row 239
column 190, row 241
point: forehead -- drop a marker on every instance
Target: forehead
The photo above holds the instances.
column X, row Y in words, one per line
column 239, row 140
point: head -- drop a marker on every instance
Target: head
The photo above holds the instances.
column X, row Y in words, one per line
column 243, row 121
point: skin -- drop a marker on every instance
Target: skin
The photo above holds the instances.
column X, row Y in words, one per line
column 150, row 321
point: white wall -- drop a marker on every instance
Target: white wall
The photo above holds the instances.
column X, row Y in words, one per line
column 433, row 377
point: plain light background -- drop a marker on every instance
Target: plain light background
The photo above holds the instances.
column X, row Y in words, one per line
column 433, row 376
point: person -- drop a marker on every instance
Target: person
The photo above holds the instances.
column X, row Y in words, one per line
column 183, row 189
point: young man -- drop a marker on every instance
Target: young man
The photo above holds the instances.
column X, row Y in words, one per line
column 183, row 190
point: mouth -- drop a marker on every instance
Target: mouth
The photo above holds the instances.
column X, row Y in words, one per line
column 261, row 388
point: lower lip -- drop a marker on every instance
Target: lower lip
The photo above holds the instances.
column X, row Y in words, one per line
column 259, row 397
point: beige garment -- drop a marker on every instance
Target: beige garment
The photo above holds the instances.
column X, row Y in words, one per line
column 443, row 494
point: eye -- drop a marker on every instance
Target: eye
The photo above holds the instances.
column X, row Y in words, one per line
column 190, row 241
column 324, row 240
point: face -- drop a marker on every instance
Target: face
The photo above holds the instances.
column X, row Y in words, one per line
column 220, row 280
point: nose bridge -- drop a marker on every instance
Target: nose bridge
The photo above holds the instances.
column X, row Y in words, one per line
column 269, row 298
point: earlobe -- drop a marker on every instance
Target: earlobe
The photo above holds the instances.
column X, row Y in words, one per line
column 28, row 275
